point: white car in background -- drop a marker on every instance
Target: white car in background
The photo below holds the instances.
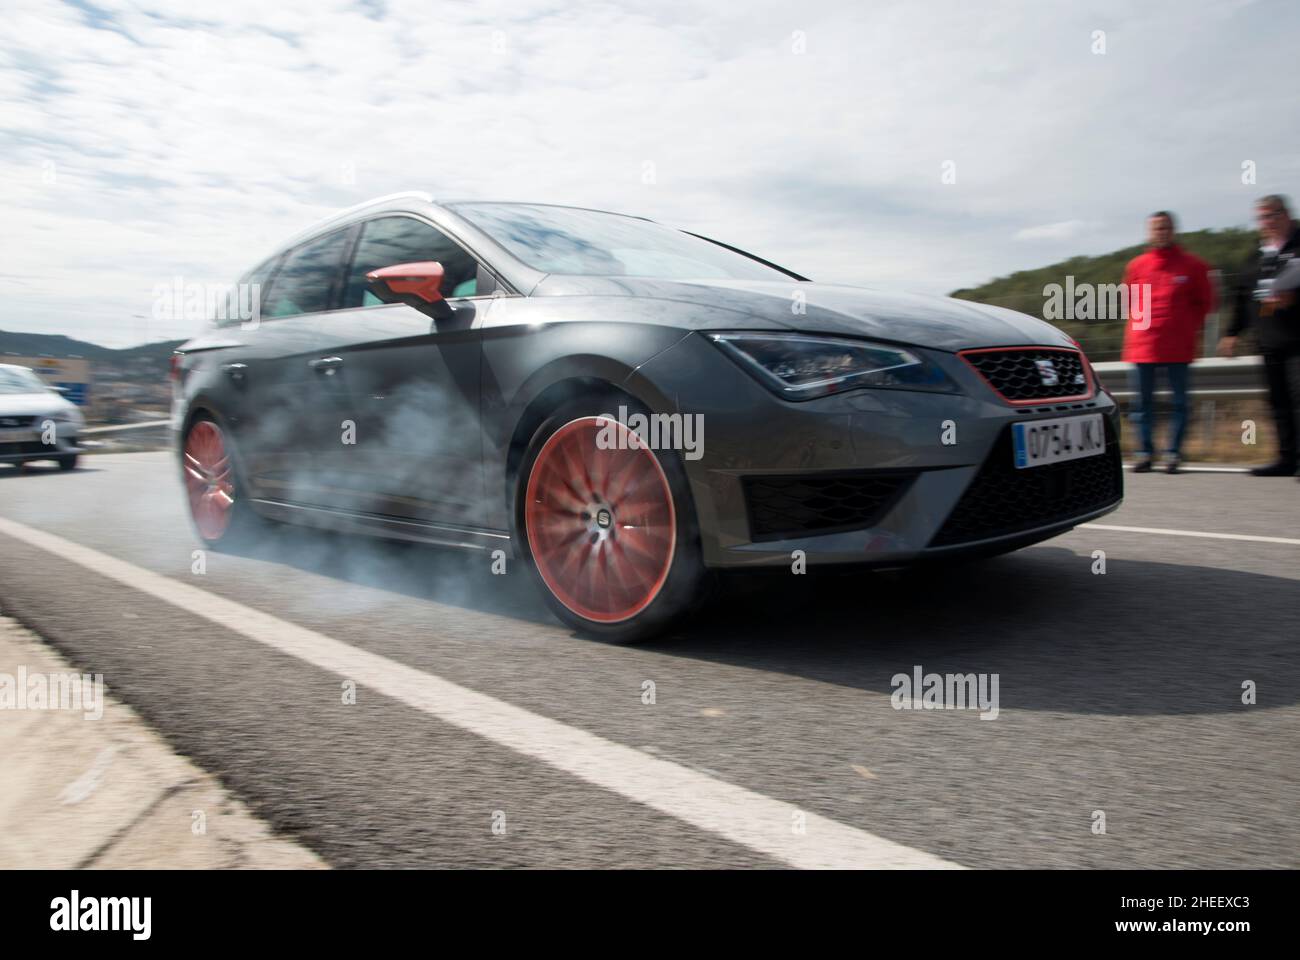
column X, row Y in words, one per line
column 36, row 421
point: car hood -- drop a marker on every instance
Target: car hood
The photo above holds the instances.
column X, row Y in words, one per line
column 941, row 323
column 33, row 404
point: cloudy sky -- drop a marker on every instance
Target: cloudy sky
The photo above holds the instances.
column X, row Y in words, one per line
column 144, row 141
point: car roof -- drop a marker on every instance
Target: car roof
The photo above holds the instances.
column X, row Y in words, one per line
column 402, row 201
column 446, row 216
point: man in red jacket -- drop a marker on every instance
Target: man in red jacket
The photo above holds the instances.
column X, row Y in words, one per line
column 1162, row 331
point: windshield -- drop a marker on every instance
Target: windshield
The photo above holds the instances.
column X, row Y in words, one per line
column 18, row 380
column 590, row 243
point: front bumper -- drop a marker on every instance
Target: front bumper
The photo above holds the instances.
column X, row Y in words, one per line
column 866, row 477
column 25, row 445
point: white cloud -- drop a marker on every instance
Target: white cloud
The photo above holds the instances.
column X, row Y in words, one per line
column 190, row 144
column 1065, row 230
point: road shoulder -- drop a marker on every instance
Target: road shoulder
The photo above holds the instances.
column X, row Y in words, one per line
column 97, row 788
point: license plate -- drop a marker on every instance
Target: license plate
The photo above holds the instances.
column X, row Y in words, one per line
column 1039, row 442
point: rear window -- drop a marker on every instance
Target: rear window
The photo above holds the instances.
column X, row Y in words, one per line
column 18, row 380
column 249, row 293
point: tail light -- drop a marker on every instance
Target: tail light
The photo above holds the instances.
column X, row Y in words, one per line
column 174, row 372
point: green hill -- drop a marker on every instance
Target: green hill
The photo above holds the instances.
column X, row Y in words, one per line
column 1224, row 250
column 145, row 363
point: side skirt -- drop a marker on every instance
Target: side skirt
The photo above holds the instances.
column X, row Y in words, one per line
column 375, row 525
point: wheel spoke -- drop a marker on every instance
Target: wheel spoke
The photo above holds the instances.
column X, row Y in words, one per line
column 208, row 474
column 628, row 566
column 626, row 474
column 575, row 472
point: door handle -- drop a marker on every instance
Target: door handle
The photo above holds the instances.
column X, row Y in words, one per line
column 325, row 365
column 235, row 371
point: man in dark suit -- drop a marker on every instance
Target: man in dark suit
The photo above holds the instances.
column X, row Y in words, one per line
column 1275, row 316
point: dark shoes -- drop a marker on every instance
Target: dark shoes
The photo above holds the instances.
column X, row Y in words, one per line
column 1279, row 469
column 1144, row 463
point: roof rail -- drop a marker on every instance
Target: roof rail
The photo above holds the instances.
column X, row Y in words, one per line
column 321, row 224
column 402, row 195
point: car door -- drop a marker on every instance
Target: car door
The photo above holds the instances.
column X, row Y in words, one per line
column 284, row 418
column 407, row 386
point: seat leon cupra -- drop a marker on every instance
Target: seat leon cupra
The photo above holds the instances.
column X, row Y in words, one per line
column 625, row 408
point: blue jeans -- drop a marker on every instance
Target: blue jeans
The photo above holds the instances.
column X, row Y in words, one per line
column 1143, row 415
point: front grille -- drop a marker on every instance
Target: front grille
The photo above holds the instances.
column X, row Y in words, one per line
column 1002, row 500
column 789, row 506
column 26, row 447
column 1028, row 375
column 11, row 422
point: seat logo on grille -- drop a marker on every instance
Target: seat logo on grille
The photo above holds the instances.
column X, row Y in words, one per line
column 1047, row 372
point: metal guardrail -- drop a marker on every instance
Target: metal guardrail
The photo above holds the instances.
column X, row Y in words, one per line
column 121, row 427
column 1211, row 377
column 119, row 437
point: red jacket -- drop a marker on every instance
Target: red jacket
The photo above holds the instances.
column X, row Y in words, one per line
column 1181, row 296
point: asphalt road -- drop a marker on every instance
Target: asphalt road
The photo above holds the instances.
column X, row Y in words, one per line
column 1119, row 692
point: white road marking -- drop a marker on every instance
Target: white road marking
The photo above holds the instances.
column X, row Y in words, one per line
column 1189, row 533
column 742, row 816
column 1185, row 469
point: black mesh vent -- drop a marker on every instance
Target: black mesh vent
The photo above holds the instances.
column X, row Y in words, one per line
column 794, row 505
column 11, row 422
column 1038, row 374
column 26, row 447
column 1002, row 500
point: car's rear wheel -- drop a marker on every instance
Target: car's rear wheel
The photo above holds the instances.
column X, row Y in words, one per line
column 68, row 462
column 607, row 526
column 209, row 467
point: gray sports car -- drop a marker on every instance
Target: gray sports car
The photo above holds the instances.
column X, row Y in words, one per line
column 625, row 407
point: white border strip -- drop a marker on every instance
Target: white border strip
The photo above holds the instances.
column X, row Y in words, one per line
column 741, row 816
column 1157, row 467
column 1189, row 533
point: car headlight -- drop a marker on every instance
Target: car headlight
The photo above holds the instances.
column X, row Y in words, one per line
column 801, row 366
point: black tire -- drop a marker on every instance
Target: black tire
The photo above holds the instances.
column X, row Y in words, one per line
column 244, row 526
column 686, row 584
column 68, row 462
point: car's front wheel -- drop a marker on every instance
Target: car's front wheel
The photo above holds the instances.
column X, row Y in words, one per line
column 607, row 526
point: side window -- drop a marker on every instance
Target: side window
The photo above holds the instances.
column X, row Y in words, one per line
column 306, row 278
column 391, row 240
